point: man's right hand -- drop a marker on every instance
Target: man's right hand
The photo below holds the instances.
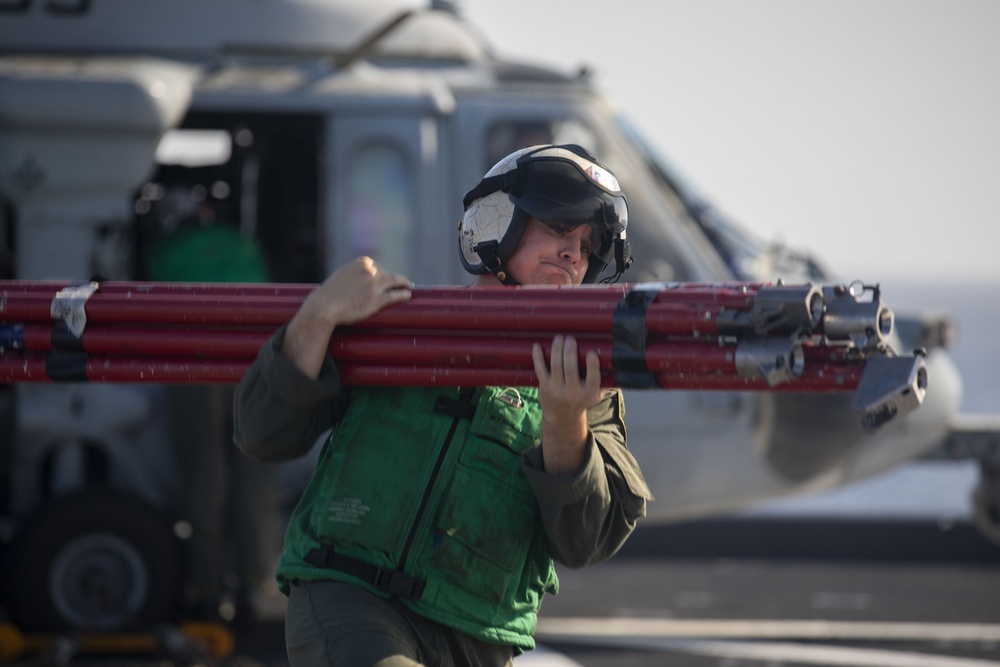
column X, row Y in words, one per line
column 354, row 292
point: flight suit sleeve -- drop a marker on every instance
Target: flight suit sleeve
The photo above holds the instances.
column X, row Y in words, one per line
column 278, row 411
column 589, row 515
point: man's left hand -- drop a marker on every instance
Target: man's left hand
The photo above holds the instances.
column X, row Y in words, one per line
column 565, row 397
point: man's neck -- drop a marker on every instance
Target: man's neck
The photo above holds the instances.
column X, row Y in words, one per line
column 486, row 280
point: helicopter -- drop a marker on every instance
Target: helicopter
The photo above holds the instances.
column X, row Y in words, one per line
column 320, row 131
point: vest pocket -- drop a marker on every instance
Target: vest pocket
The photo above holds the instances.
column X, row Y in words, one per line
column 482, row 535
column 512, row 425
column 374, row 475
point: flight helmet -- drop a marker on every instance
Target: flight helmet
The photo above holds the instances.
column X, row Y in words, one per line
column 561, row 186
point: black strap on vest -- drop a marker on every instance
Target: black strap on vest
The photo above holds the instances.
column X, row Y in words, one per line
column 389, row 581
column 628, row 351
column 460, row 408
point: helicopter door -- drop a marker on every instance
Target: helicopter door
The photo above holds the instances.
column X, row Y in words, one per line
column 387, row 196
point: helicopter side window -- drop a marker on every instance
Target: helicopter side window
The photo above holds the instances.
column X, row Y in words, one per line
column 382, row 206
column 506, row 136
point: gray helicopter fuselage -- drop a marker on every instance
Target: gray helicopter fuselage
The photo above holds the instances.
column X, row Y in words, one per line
column 328, row 131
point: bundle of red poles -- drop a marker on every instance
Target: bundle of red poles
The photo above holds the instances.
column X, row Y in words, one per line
column 705, row 336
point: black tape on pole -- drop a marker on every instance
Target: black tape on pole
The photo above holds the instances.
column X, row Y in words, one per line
column 628, row 352
column 63, row 339
column 66, row 366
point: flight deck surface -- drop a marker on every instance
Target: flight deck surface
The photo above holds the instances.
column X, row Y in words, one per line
column 744, row 593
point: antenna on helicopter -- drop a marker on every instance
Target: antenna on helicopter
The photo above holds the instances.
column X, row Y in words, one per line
column 450, row 6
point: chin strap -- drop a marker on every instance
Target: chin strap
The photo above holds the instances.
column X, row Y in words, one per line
column 487, row 251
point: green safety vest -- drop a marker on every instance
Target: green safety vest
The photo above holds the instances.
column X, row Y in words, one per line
column 420, row 493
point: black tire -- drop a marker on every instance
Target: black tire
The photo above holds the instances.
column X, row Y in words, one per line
column 986, row 506
column 94, row 560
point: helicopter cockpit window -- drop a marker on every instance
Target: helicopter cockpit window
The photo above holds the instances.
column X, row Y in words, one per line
column 507, row 136
column 746, row 254
column 189, row 224
column 195, row 148
column 233, row 198
column 382, row 206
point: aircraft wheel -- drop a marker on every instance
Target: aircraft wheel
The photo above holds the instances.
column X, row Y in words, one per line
column 94, row 560
column 986, row 503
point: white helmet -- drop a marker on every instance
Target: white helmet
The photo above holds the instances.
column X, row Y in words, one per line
column 560, row 186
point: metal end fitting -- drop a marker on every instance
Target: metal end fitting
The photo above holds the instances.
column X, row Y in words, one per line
column 890, row 387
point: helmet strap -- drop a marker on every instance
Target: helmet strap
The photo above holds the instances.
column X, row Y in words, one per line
column 623, row 260
column 487, row 251
column 490, row 184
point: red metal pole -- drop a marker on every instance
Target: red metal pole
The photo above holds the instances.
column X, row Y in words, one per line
column 236, row 303
column 129, row 340
column 470, row 349
column 139, row 288
column 458, row 351
column 676, row 292
column 832, row 380
column 511, row 315
column 160, row 309
column 442, row 335
column 34, row 368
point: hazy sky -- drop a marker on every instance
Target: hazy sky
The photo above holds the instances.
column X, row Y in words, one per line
column 866, row 131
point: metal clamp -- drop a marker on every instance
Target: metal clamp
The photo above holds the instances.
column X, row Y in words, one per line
column 890, row 387
column 866, row 324
column 775, row 310
column 787, row 308
column 776, row 360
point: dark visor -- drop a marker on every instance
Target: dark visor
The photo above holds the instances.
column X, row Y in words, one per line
column 557, row 190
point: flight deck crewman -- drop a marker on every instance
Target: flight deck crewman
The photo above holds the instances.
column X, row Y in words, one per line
column 428, row 531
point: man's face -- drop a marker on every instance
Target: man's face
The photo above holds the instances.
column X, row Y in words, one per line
column 546, row 256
